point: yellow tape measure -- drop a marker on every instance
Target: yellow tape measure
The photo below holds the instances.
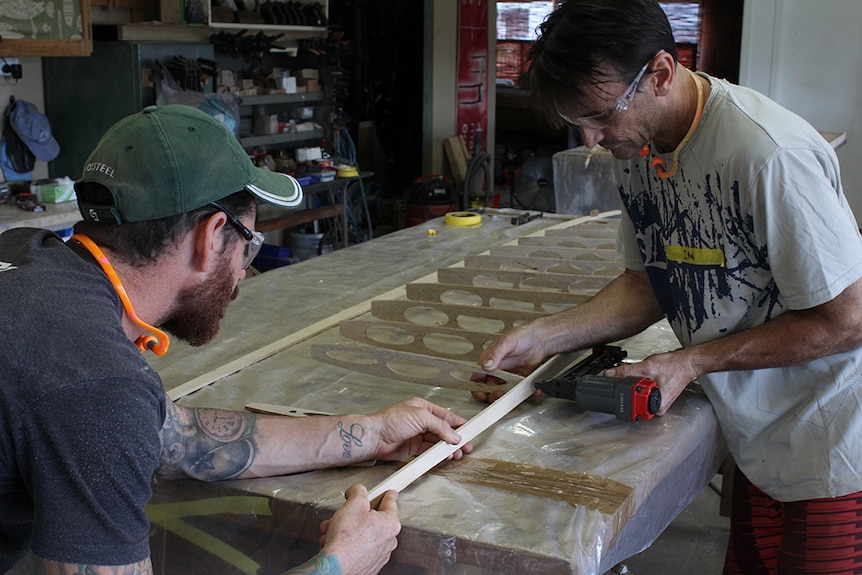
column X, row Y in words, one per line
column 463, row 219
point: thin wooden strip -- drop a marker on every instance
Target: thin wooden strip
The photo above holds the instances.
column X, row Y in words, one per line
column 545, row 265
column 462, row 345
column 492, row 297
column 557, row 252
column 470, row 318
column 470, row 430
column 411, row 367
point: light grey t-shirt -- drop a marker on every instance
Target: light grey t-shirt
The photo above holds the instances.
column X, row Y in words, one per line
column 754, row 223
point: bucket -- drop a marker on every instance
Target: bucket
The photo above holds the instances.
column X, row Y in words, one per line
column 304, row 246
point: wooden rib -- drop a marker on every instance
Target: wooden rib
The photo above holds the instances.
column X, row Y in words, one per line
column 357, row 330
column 569, row 242
column 470, row 430
column 440, row 372
column 545, row 265
column 301, row 335
column 395, row 310
column 523, row 280
column 438, row 291
column 556, row 252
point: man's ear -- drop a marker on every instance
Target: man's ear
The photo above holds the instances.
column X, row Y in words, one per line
column 208, row 240
column 663, row 70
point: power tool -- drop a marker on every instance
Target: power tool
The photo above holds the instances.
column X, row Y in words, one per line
column 630, row 398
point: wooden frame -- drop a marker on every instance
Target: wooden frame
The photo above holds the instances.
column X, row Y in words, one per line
column 25, row 47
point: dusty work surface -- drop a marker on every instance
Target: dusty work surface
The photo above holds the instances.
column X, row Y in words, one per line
column 548, row 488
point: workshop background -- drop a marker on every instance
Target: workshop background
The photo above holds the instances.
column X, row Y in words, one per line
column 423, row 100
column 397, row 65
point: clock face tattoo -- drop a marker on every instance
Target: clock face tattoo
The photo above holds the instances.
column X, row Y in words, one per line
column 223, row 425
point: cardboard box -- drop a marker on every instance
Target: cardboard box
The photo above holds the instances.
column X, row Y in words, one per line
column 310, row 84
column 55, row 192
column 265, row 124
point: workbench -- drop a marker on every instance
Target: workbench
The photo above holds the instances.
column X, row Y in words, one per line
column 321, row 200
column 56, row 217
column 548, row 488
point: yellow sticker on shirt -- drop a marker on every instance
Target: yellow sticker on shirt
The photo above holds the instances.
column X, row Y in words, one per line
column 695, row 256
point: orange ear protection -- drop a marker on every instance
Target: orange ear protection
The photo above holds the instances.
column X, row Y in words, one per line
column 657, row 162
column 157, row 343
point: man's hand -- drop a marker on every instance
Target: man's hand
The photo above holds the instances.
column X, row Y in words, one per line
column 412, row 426
column 671, row 371
column 517, row 352
column 361, row 538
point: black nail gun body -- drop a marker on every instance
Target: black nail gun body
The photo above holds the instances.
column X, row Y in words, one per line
column 629, row 398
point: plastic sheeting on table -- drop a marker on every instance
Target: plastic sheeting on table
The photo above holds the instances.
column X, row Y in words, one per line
column 549, row 488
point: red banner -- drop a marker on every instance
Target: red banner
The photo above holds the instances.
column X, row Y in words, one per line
column 473, row 74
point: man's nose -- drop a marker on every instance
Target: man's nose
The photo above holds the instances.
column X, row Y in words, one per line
column 590, row 136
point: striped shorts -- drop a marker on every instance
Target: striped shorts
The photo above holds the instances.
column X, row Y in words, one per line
column 813, row 537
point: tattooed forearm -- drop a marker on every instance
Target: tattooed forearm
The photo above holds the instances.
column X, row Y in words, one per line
column 350, row 438
column 321, row 564
column 46, row 567
column 207, row 444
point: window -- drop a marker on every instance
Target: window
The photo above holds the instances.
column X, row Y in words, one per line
column 684, row 18
column 516, row 31
column 517, row 23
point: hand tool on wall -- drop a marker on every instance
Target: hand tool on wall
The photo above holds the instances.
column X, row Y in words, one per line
column 630, row 398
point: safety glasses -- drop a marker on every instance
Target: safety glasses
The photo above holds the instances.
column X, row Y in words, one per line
column 603, row 119
column 254, row 239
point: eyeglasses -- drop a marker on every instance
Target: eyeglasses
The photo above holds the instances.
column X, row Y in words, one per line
column 254, row 239
column 602, row 119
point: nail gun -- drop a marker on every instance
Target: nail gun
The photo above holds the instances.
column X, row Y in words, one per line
column 629, row 398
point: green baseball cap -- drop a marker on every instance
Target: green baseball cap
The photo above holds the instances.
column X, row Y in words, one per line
column 168, row 160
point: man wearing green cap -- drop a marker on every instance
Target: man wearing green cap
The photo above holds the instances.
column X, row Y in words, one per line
column 168, row 200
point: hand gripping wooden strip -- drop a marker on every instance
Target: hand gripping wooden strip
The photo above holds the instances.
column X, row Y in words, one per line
column 470, row 430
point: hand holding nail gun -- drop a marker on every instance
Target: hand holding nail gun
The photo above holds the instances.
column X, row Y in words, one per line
column 629, row 398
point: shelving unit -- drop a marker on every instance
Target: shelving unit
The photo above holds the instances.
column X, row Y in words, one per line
column 269, row 103
column 249, row 142
column 215, row 22
column 171, row 27
column 334, row 192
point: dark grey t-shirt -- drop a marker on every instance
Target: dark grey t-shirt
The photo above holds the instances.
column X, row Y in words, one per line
column 80, row 410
